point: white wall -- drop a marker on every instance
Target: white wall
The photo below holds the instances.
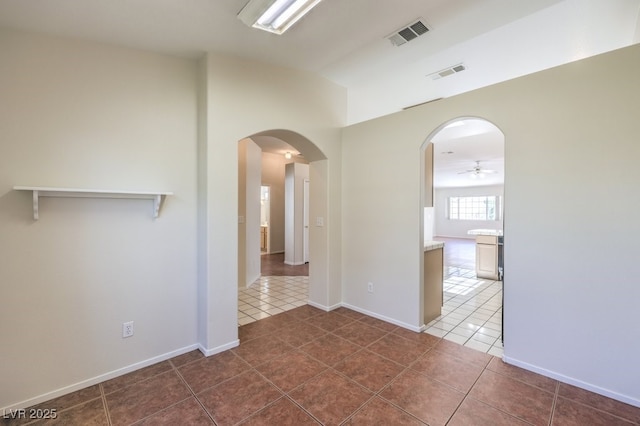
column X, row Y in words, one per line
column 429, row 223
column 571, row 226
column 249, row 182
column 85, row 114
column 295, row 175
column 244, row 98
column 458, row 228
column 76, row 114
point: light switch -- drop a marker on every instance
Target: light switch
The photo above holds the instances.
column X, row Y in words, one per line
column 319, row 221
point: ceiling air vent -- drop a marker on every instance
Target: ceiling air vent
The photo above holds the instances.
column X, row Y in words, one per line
column 447, row 71
column 408, row 33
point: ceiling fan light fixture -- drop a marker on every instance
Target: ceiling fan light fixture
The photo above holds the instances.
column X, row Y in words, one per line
column 478, row 172
column 275, row 16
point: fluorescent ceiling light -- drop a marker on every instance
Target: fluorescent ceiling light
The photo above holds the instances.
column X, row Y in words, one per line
column 275, row 16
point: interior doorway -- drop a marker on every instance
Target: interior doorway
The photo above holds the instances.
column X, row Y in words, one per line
column 284, row 170
column 265, row 212
column 467, row 175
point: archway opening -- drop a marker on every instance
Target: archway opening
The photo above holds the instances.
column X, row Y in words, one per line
column 462, row 194
column 274, row 255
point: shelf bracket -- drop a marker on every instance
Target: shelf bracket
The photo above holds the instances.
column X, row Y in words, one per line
column 157, row 204
column 36, row 198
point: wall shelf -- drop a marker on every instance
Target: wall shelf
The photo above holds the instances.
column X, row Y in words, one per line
column 157, row 197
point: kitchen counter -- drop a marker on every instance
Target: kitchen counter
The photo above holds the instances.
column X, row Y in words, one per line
column 489, row 232
column 433, row 245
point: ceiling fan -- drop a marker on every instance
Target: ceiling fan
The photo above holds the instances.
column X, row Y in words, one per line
column 477, row 171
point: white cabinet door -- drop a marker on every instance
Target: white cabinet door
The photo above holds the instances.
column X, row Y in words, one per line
column 487, row 261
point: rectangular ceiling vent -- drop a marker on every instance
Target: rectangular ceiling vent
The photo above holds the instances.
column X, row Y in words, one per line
column 447, row 72
column 408, row 33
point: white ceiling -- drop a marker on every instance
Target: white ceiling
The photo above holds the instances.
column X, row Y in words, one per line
column 345, row 40
column 458, row 146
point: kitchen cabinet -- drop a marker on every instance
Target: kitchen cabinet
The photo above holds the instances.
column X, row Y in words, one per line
column 487, row 256
column 433, row 280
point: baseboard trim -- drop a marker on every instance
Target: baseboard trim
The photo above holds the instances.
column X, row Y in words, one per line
column 293, row 263
column 252, row 280
column 323, row 307
column 571, row 381
column 218, row 349
column 384, row 318
column 275, row 252
column 98, row 379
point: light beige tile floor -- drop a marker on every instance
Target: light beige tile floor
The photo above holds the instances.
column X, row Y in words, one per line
column 270, row 295
column 472, row 312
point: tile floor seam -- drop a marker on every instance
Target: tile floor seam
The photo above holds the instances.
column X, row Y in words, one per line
column 193, row 393
column 161, row 410
column 283, row 394
column 362, row 347
column 71, row 407
column 609, row 413
column 507, row 412
column 444, row 383
column 103, row 395
column 554, row 402
column 499, row 409
column 221, row 382
column 290, row 398
column 376, row 354
column 297, row 386
column 258, row 412
column 396, row 362
column 378, row 394
column 357, row 410
column 524, row 382
column 400, row 408
column 344, row 376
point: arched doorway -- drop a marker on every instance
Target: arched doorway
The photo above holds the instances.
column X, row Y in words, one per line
column 271, row 283
column 462, row 197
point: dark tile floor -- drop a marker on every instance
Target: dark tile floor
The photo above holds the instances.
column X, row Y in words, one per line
column 306, row 366
column 273, row 264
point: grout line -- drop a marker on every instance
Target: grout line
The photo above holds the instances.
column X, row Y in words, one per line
column 105, row 405
column 193, row 394
column 553, row 404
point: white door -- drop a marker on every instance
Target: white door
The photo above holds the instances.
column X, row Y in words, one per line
column 305, row 220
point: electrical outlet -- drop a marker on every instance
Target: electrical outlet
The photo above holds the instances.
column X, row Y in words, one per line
column 127, row 329
column 370, row 287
